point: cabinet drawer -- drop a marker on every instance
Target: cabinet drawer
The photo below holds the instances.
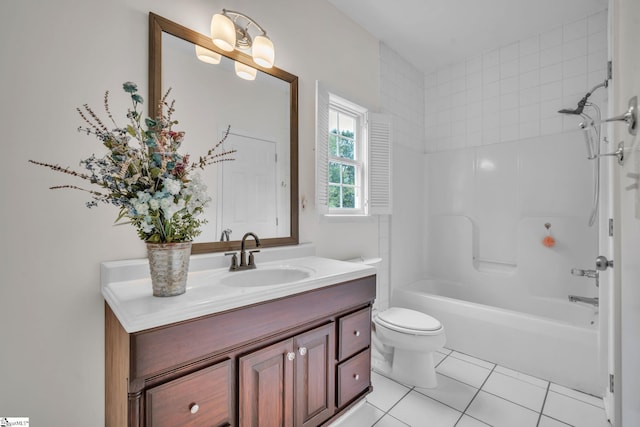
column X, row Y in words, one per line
column 197, row 399
column 354, row 376
column 354, row 333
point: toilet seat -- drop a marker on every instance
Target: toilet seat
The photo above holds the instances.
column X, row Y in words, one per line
column 408, row 321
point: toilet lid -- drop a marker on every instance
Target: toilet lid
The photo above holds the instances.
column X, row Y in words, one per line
column 403, row 319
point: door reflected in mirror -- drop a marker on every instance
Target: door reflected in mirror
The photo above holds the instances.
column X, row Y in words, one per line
column 257, row 191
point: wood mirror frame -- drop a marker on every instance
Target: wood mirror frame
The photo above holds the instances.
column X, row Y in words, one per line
column 159, row 25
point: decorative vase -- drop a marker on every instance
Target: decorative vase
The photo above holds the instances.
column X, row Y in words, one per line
column 169, row 266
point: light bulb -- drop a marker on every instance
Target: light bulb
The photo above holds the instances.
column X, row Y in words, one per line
column 262, row 51
column 245, row 72
column 223, row 32
column 208, row 56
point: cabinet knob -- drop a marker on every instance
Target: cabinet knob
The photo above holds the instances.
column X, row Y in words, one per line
column 356, row 377
column 356, row 333
column 291, row 355
column 194, row 408
column 302, row 351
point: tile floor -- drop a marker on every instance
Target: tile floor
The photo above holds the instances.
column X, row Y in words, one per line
column 475, row 393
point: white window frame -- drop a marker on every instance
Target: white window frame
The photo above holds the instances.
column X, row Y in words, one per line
column 358, row 113
column 376, row 144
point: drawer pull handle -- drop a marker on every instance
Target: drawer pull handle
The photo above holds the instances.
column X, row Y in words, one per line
column 194, row 408
column 302, row 351
column 291, row 355
column 356, row 333
column 356, row 377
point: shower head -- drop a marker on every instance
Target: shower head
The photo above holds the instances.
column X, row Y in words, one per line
column 581, row 104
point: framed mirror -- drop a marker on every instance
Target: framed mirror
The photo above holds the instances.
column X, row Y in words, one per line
column 258, row 191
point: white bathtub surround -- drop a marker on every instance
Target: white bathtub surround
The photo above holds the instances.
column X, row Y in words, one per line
column 475, row 393
column 126, row 285
column 560, row 343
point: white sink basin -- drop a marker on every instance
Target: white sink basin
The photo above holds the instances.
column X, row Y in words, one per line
column 267, row 276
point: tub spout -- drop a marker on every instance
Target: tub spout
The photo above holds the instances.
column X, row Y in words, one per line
column 586, row 300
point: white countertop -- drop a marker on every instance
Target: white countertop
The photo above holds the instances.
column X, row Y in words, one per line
column 126, row 287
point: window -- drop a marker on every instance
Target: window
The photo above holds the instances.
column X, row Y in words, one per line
column 346, row 159
column 353, row 157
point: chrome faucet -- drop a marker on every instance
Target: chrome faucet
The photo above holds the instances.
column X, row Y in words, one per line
column 586, row 300
column 224, row 237
column 244, row 264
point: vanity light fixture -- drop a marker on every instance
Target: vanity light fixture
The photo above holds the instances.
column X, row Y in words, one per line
column 230, row 30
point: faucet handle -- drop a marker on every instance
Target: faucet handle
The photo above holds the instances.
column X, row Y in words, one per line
column 234, row 260
column 251, row 258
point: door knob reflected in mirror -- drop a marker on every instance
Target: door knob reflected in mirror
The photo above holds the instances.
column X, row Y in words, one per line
column 602, row 263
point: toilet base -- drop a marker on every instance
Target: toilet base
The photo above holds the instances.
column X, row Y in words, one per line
column 414, row 368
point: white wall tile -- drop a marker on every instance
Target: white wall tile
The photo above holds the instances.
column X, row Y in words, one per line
column 530, row 62
column 574, row 85
column 575, row 30
column 550, row 90
column 550, row 56
column 509, row 85
column 529, row 79
column 509, row 52
column 551, row 38
column 474, row 80
column 491, row 74
column 509, row 101
column 529, row 95
column 490, row 59
column 574, row 48
column 474, row 64
column 474, row 94
column 529, row 46
column 597, row 41
column 597, row 22
column 509, row 68
column 551, row 73
column 491, row 90
column 597, row 61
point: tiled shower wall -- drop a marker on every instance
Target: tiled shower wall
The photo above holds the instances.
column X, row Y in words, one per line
column 507, row 94
column 514, row 92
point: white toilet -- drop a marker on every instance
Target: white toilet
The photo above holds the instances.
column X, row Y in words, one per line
column 406, row 340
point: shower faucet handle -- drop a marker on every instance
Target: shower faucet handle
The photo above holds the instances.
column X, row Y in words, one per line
column 602, row 263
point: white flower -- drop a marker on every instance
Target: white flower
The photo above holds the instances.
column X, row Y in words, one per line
column 166, row 202
column 154, row 204
column 146, row 227
column 173, row 208
column 172, row 186
column 143, row 196
column 141, row 208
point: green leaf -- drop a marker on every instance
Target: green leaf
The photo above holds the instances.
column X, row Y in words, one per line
column 131, row 131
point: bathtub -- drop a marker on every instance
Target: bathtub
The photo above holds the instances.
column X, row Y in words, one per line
column 548, row 338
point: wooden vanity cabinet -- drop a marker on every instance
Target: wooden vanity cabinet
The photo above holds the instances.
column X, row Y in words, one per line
column 297, row 361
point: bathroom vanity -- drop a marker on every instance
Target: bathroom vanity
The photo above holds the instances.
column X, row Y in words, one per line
column 294, row 354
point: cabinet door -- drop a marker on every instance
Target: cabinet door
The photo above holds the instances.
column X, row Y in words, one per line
column 266, row 387
column 198, row 399
column 314, row 376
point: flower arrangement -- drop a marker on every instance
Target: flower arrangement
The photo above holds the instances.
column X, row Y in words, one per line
column 154, row 186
